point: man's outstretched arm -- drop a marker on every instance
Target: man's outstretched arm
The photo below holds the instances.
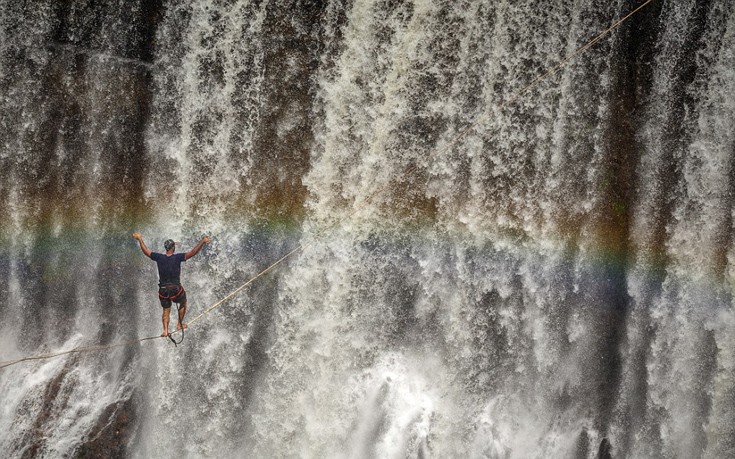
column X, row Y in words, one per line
column 139, row 237
column 197, row 248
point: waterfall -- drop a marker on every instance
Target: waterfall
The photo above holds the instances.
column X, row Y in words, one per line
column 486, row 273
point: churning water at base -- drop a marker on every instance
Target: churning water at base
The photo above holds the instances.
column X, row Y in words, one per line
column 550, row 278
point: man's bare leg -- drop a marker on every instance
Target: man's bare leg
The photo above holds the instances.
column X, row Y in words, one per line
column 182, row 313
column 165, row 319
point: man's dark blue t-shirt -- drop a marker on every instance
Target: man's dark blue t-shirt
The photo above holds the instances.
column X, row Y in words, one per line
column 169, row 268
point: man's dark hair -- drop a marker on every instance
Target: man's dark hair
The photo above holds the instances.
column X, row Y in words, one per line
column 169, row 244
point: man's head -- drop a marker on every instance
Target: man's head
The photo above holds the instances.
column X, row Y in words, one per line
column 169, row 245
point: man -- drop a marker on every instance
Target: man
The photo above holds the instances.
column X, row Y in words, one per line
column 169, row 273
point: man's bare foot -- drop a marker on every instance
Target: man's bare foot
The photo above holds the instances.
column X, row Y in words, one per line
column 181, row 325
column 164, row 334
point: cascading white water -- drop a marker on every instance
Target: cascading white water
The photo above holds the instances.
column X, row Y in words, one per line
column 549, row 277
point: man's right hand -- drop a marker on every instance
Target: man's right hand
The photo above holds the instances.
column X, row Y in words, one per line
column 197, row 248
column 137, row 236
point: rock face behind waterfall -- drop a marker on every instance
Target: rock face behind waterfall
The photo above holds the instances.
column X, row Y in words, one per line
column 485, row 275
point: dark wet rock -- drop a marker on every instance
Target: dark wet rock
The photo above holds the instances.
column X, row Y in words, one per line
column 605, row 451
column 111, row 435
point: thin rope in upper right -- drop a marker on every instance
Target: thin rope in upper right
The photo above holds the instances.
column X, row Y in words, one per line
column 554, row 70
column 514, row 96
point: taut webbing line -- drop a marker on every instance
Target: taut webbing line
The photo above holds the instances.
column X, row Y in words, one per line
column 302, row 247
column 247, row 284
column 554, row 70
column 77, row 350
column 297, row 249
